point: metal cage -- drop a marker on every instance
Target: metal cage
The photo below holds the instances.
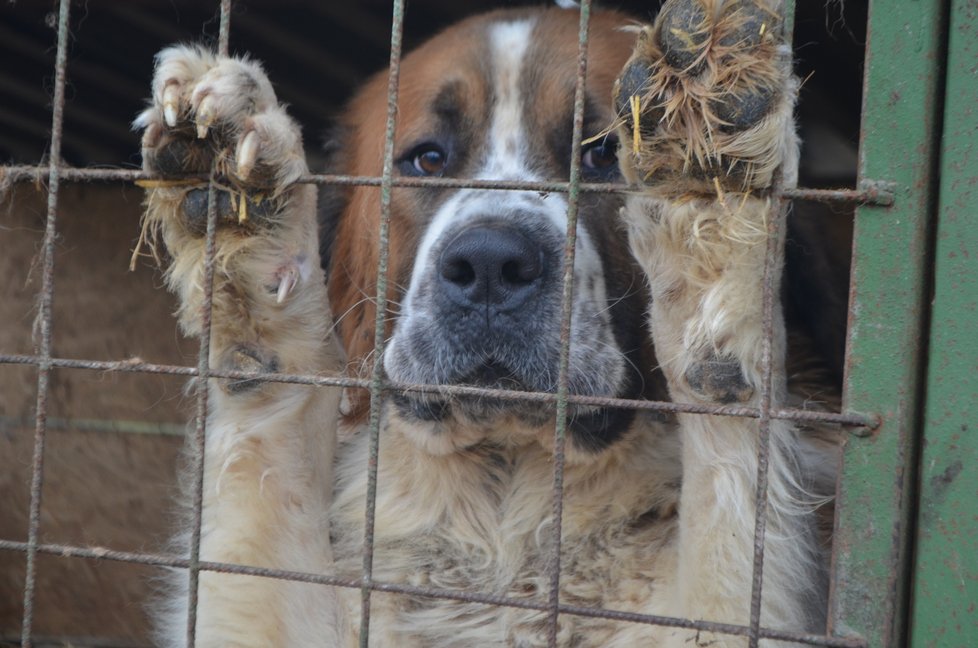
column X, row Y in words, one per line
column 886, row 407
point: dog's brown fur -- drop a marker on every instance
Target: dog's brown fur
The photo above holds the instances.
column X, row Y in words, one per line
column 658, row 515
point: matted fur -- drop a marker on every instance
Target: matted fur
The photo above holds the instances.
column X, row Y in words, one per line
column 658, row 522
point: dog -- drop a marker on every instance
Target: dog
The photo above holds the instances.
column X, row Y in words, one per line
column 658, row 518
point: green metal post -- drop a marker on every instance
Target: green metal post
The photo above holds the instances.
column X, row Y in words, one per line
column 945, row 592
column 904, row 67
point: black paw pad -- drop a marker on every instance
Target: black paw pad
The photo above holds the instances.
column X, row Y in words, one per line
column 247, row 357
column 719, row 380
column 745, row 24
column 634, row 82
column 684, row 31
column 742, row 110
column 180, row 155
column 255, row 212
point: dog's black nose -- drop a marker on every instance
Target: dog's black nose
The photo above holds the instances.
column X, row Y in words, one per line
column 497, row 266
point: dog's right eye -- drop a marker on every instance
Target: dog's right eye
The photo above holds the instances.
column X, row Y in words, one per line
column 425, row 160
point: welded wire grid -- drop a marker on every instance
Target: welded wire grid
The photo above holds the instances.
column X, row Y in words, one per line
column 379, row 386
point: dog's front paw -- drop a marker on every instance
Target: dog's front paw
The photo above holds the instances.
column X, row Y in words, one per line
column 707, row 97
column 209, row 112
column 218, row 117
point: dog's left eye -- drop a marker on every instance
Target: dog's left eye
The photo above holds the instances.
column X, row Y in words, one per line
column 600, row 155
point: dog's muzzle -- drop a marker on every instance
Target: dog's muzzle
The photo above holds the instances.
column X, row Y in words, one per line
column 484, row 309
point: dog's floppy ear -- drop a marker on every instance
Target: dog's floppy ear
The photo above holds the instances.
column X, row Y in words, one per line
column 332, row 198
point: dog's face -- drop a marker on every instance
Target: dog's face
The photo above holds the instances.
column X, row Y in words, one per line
column 478, row 274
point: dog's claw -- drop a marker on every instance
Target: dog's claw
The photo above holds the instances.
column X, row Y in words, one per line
column 286, row 284
column 171, row 99
column 247, row 154
column 205, row 115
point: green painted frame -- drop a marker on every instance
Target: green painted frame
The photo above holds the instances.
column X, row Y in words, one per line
column 945, row 581
column 888, row 305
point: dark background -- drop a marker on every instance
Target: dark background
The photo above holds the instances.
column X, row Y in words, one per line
column 316, row 52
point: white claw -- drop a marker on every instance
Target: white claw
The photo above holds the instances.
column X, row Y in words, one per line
column 285, row 285
column 205, row 116
column 171, row 100
column 247, row 155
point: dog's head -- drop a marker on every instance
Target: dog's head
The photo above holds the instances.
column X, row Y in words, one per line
column 476, row 275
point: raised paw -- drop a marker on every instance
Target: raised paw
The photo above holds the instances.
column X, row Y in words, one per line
column 217, row 118
column 707, row 97
column 218, row 113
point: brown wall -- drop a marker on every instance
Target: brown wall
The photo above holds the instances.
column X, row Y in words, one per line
column 102, row 486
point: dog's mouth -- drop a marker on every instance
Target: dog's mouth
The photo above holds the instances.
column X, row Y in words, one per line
column 478, row 407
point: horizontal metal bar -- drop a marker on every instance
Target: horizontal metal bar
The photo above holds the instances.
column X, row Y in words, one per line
column 137, row 366
column 99, row 425
column 162, row 560
column 868, row 195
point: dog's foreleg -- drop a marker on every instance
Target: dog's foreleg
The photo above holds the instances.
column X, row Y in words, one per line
column 269, row 446
column 707, row 104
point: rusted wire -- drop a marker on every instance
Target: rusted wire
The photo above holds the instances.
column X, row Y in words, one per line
column 44, row 321
column 377, row 388
column 162, row 560
column 567, row 304
column 773, row 249
column 203, row 374
column 869, row 195
column 342, row 380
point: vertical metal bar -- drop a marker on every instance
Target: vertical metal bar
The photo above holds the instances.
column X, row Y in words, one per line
column 946, row 561
column 774, row 250
column 200, row 429
column 203, row 375
column 377, row 378
column 44, row 321
column 899, row 142
column 567, row 303
column 224, row 31
column 772, row 268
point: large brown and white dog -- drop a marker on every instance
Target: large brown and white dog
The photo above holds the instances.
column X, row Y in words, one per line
column 658, row 512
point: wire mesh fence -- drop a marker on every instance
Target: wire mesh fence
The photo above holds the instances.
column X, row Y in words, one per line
column 54, row 173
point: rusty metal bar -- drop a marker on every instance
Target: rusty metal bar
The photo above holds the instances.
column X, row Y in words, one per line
column 772, row 270
column 163, row 560
column 135, row 366
column 377, row 388
column 203, row 373
column 44, row 321
column 200, row 428
column 567, row 305
column 224, row 30
column 775, row 250
column 869, row 194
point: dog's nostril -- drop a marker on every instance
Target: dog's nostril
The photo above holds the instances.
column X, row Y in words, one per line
column 458, row 271
column 521, row 271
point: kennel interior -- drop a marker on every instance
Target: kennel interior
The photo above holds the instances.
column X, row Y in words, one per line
column 92, row 370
